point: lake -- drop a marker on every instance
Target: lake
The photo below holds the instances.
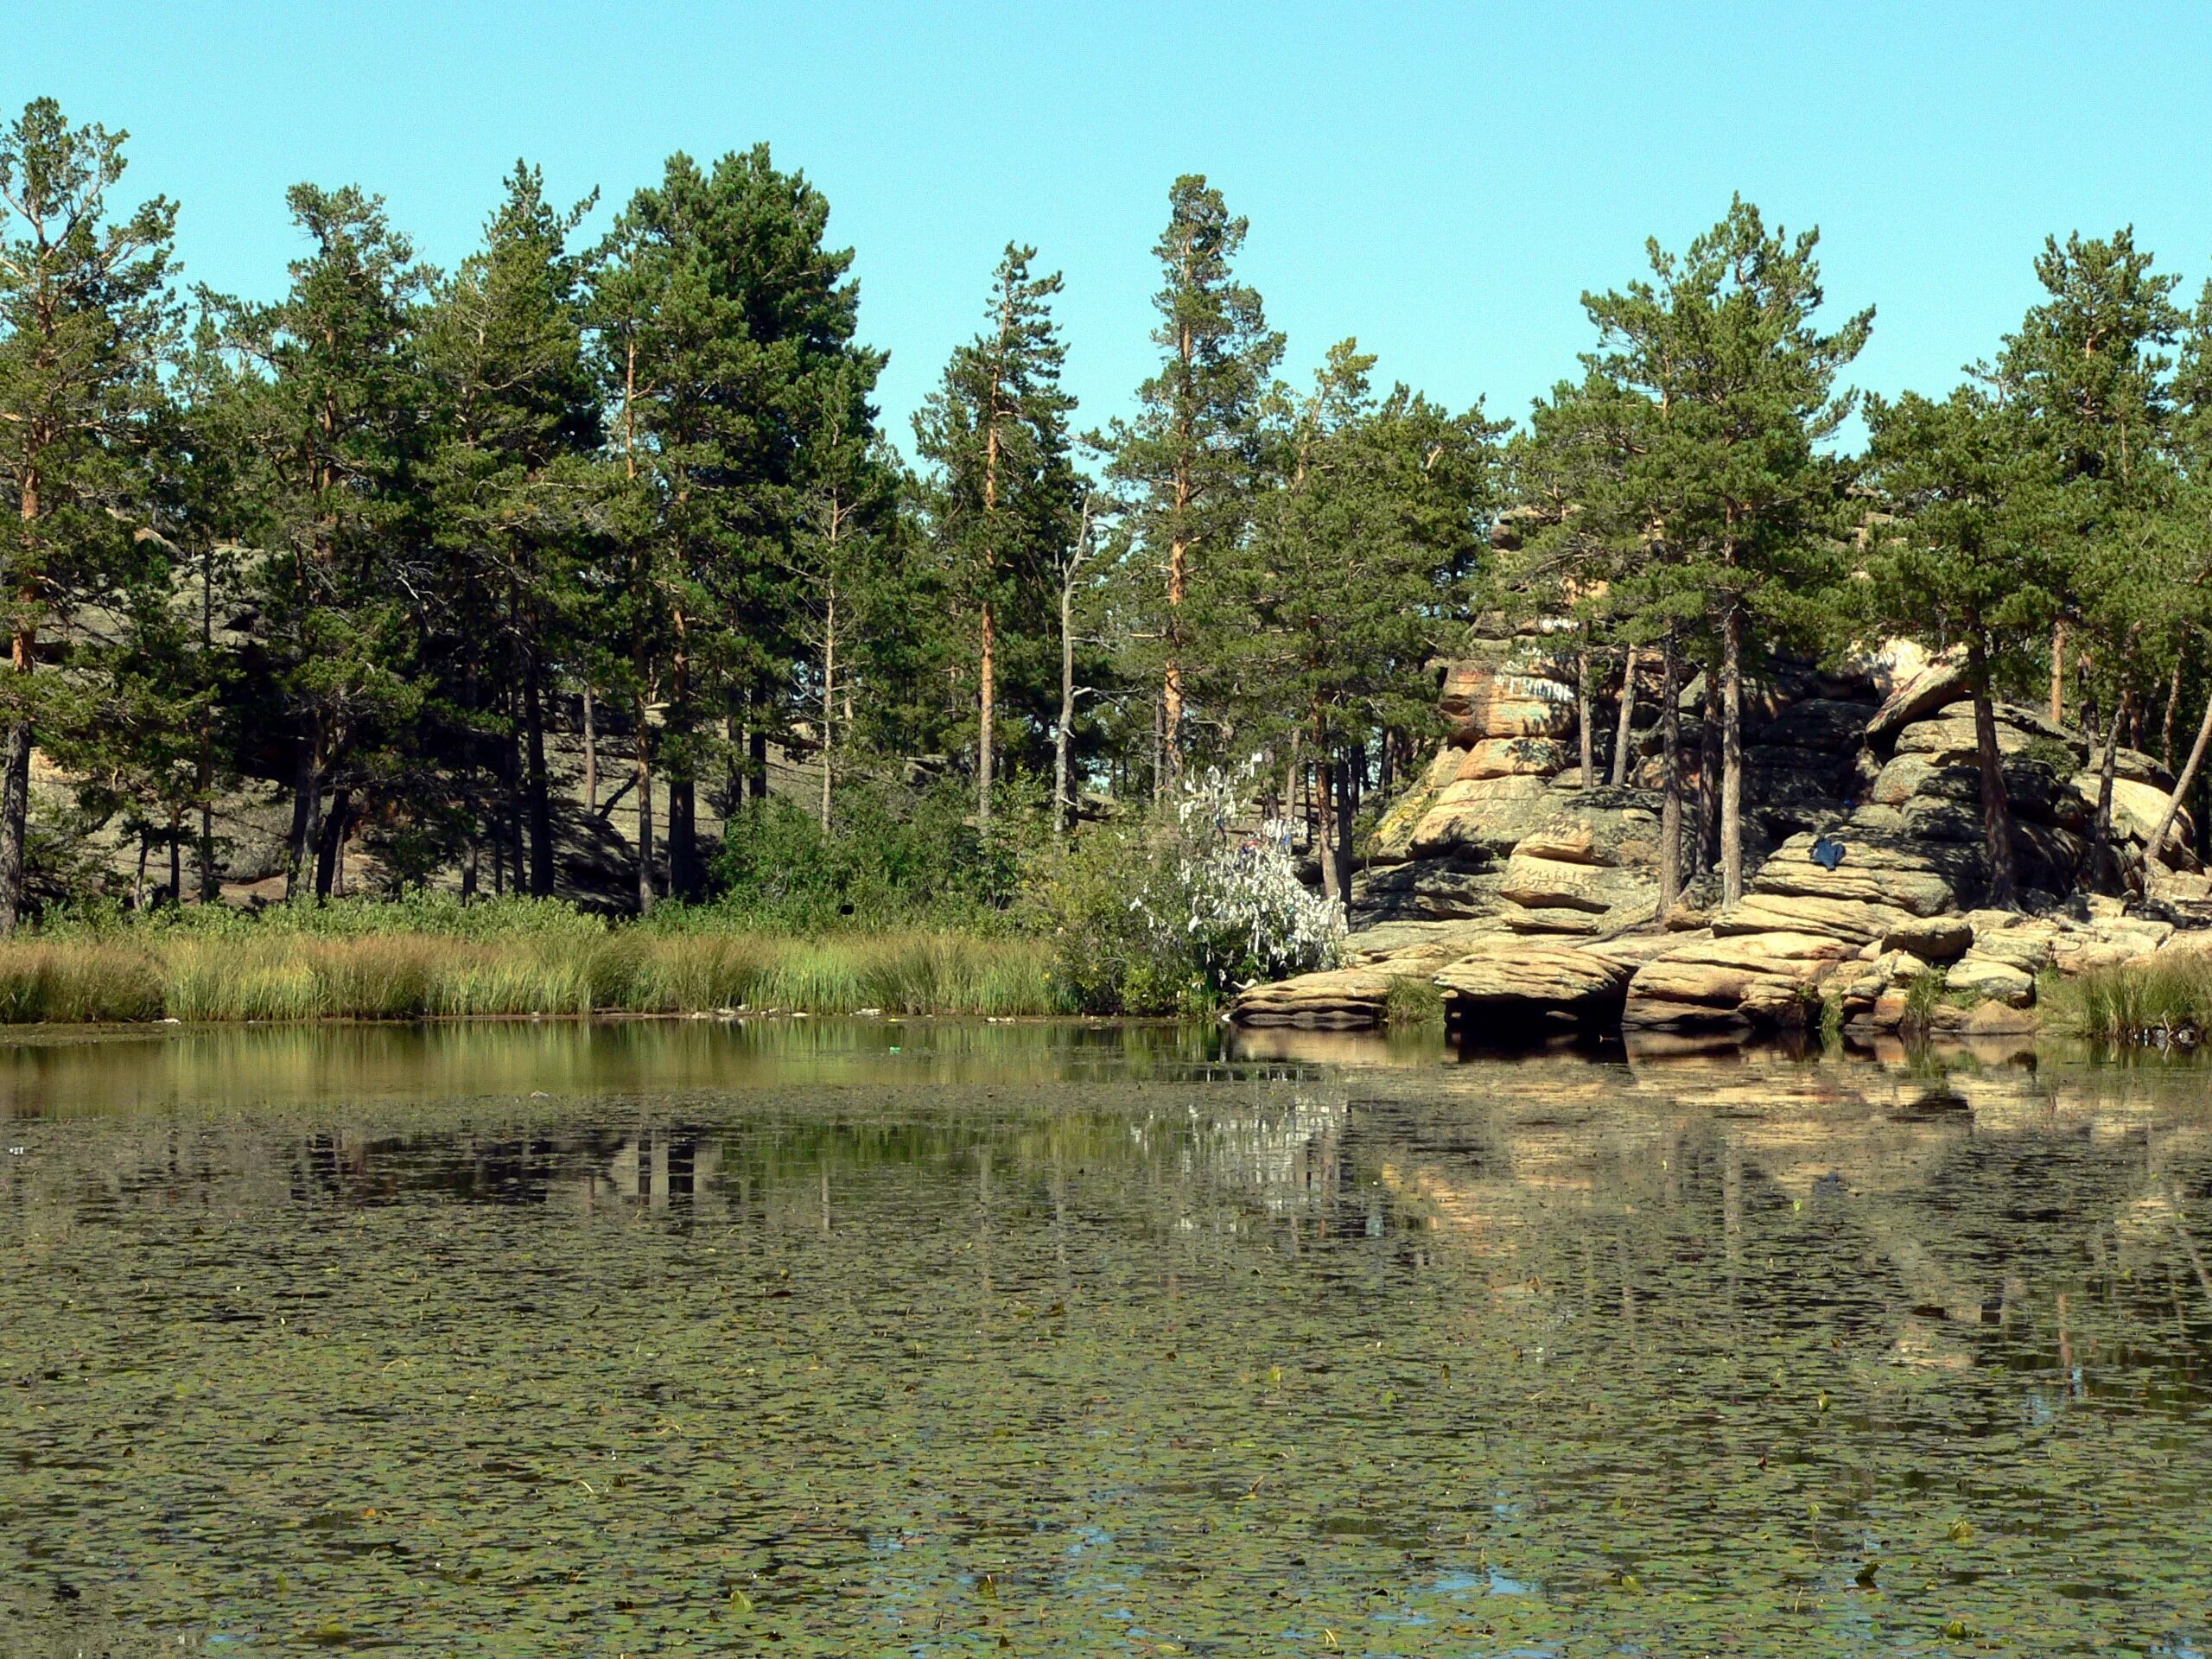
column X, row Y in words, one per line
column 941, row 1339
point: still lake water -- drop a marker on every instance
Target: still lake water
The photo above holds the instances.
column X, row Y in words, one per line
column 937, row 1338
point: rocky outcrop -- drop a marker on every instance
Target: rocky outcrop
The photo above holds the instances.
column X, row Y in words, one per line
column 1531, row 901
column 1341, row 999
column 1505, row 991
column 1741, row 983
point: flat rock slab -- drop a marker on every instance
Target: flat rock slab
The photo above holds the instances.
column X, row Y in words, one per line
column 1923, row 878
column 1755, row 980
column 1858, row 921
column 1335, row 999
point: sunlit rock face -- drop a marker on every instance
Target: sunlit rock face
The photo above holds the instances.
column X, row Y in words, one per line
column 1507, row 879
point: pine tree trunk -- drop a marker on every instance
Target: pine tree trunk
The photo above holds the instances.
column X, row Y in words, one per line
column 2058, row 673
column 682, row 837
column 1670, row 766
column 644, row 812
column 540, row 793
column 176, row 856
column 1624, row 729
column 828, row 700
column 1708, row 778
column 307, row 815
column 986, row 697
column 510, row 791
column 326, row 843
column 2156, row 845
column 138, row 882
column 683, row 872
column 1171, row 679
column 2101, row 825
column 209, row 889
column 1063, row 806
column 1325, row 827
column 15, row 782
column 1349, row 785
column 1732, row 755
column 1586, row 718
column 1159, row 753
column 1996, row 807
column 591, row 755
column 2173, row 711
column 14, row 820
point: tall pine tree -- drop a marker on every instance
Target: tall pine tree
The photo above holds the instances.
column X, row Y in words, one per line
column 87, row 320
column 996, row 432
column 1190, row 463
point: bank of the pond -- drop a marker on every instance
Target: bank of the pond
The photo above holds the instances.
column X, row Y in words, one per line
column 2164, row 1000
column 254, row 973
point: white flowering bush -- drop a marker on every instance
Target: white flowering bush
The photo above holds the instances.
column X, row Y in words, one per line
column 1238, row 890
column 1170, row 916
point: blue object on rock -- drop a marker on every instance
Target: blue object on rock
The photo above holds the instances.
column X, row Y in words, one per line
column 1827, row 852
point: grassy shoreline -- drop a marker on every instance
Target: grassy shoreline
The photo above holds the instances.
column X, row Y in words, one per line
column 2164, row 1000
column 287, row 971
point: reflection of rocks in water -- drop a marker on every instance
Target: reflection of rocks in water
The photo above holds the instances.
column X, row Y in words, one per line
column 1925, row 1174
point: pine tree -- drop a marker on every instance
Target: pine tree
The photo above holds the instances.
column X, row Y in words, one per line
column 1736, row 480
column 2190, row 507
column 1191, row 462
column 1577, row 546
column 996, row 432
column 510, row 487
column 841, row 566
column 725, row 320
column 1359, row 574
column 1956, row 561
column 87, row 320
column 2085, row 367
column 336, row 424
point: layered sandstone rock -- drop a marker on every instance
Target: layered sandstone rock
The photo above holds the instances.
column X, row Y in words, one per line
column 1505, row 991
column 1531, row 901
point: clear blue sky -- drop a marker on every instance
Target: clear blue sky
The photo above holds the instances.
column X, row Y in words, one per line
column 1443, row 182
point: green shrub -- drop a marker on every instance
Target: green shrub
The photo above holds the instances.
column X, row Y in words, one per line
column 1412, row 1003
column 2162, row 997
column 892, row 857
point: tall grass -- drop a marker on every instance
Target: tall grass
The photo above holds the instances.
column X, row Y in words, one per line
column 2163, row 998
column 254, row 971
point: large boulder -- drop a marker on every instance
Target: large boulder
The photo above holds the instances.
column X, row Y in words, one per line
column 1816, row 725
column 1511, row 757
column 1499, row 991
column 1505, row 693
column 1923, row 878
column 1931, row 939
column 1937, row 686
column 2136, row 808
column 1987, row 979
column 1605, row 826
column 1855, row 921
column 1490, row 815
column 1425, row 889
column 1408, row 944
column 1949, row 739
column 1556, row 884
column 1394, row 836
column 1741, row 984
column 1337, row 999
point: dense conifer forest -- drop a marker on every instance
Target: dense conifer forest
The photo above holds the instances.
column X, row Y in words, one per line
column 588, row 568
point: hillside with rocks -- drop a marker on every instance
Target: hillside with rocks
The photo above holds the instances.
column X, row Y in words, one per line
column 1530, row 899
